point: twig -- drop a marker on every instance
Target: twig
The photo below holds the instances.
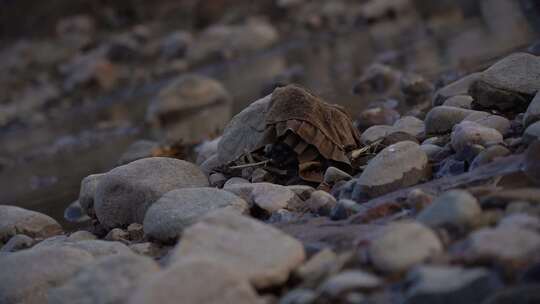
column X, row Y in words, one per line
column 250, row 165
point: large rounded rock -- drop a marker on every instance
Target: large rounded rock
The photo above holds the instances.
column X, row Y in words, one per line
column 196, row 281
column 402, row 245
column 15, row 220
column 455, row 207
column 257, row 252
column 109, row 279
column 399, row 165
column 27, row 275
column 245, row 131
column 468, row 133
column 125, row 193
column 177, row 111
column 179, row 209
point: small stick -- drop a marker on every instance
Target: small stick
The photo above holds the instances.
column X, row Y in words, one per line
column 249, row 165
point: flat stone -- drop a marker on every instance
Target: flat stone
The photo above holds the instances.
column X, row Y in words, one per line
column 455, row 207
column 375, row 133
column 445, row 284
column 196, row 281
column 28, row 274
column 533, row 111
column 176, row 210
column 348, row 281
column 236, row 241
column 110, row 279
column 468, row 133
column 400, row 165
column 504, row 244
column 410, row 125
column 125, row 193
column 15, row 220
column 402, row 245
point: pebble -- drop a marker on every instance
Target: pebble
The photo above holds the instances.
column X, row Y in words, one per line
column 454, row 207
column 117, row 235
column 125, row 193
column 268, row 197
column 15, row 220
column 135, row 231
column 504, row 244
column 348, row 281
column 442, row 119
column 459, row 101
column 446, row 285
column 334, row 175
column 28, row 274
column 217, row 180
column 260, row 175
column 235, row 241
column 489, row 155
column 176, row 210
column 302, row 191
column 468, row 133
column 397, row 166
column 110, row 279
column 402, row 245
column 321, row 203
column 533, row 111
column 214, row 283
column 18, row 242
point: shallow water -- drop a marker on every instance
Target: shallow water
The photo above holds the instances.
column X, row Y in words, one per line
column 45, row 163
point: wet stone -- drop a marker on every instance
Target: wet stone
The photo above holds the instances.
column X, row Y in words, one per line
column 400, row 165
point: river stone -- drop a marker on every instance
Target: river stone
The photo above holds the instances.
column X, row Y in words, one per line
column 109, row 279
column 178, row 209
column 178, row 109
column 459, row 101
column 372, row 134
column 518, row 73
column 401, row 245
column 15, row 220
column 88, row 192
column 446, row 285
column 267, row 196
column 28, row 274
column 96, row 248
column 504, row 244
column 467, row 134
column 236, row 241
column 410, row 125
column 532, row 133
column 443, row 118
column 489, row 155
column 350, row 280
column 196, row 281
column 533, row 111
column 245, row 131
column 125, row 193
column 455, row 207
column 400, row 165
column 459, row 87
